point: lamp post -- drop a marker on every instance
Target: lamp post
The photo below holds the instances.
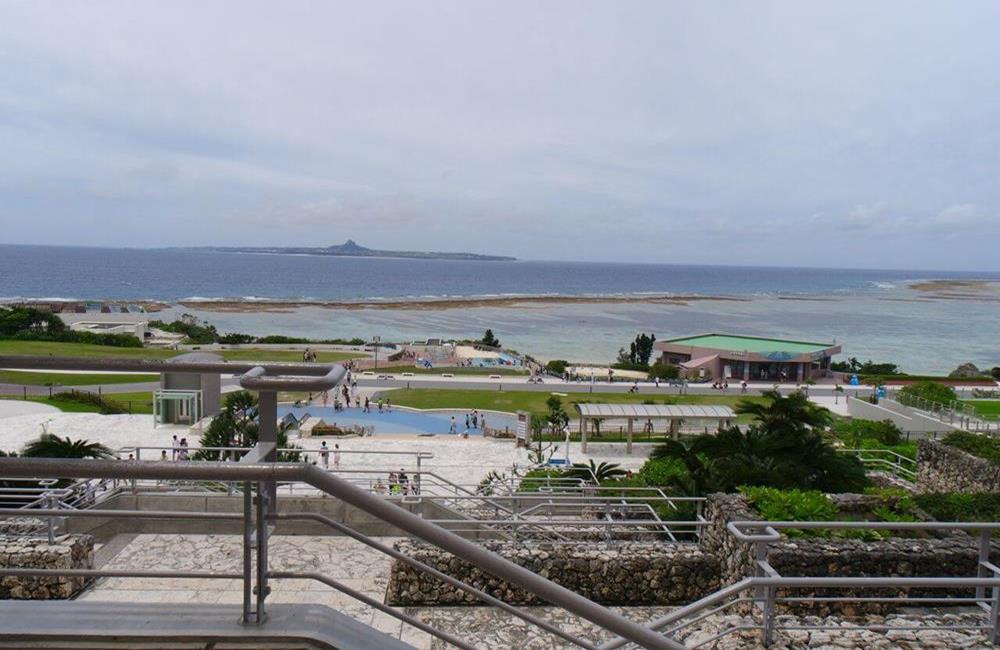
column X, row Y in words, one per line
column 375, row 341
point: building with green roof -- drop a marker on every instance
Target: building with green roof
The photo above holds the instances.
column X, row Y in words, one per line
column 750, row 358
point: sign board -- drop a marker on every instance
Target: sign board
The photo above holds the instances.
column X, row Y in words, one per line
column 523, row 420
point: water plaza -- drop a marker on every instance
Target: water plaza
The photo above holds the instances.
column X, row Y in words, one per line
column 493, row 539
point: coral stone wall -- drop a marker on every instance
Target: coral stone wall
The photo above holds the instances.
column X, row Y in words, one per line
column 950, row 555
column 68, row 552
column 625, row 574
column 943, row 468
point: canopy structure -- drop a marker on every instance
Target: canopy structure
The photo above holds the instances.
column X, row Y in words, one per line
column 673, row 413
column 172, row 406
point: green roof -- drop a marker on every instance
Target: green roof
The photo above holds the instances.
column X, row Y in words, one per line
column 749, row 344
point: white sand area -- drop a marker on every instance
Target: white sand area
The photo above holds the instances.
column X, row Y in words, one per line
column 456, row 459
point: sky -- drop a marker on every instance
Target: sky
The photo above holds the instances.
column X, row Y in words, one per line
column 834, row 134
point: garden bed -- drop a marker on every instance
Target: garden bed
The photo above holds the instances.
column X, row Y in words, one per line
column 942, row 555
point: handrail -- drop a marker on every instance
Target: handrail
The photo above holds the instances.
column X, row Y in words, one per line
column 361, row 499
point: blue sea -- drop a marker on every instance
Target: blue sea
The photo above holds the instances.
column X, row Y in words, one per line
column 873, row 313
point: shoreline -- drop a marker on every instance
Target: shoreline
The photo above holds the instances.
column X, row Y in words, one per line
column 430, row 304
column 984, row 290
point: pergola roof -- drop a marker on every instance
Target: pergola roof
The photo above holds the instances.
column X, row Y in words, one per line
column 657, row 411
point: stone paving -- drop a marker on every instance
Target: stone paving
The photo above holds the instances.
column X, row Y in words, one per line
column 367, row 571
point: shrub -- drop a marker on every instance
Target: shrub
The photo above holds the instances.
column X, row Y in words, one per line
column 961, row 506
column 931, row 391
column 790, row 505
column 855, row 431
column 975, row 444
column 278, row 339
column 557, row 366
column 193, row 333
column 663, row 370
column 104, row 406
column 236, row 338
column 627, row 365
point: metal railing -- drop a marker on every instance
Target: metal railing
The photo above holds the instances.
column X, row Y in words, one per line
column 258, row 516
column 956, row 413
column 887, row 460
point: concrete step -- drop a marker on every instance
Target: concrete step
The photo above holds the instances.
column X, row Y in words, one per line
column 84, row 625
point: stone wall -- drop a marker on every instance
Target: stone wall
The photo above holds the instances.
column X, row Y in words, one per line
column 943, row 468
column 948, row 555
column 623, row 574
column 68, row 552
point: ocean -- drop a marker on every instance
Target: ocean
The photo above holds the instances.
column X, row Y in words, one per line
column 875, row 314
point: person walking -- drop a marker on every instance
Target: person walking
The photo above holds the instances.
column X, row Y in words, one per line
column 176, row 444
column 336, row 456
column 324, row 455
column 453, row 428
column 367, row 405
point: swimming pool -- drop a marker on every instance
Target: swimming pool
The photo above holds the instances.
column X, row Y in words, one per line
column 397, row 420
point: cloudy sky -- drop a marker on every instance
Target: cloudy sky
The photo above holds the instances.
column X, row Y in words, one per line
column 860, row 134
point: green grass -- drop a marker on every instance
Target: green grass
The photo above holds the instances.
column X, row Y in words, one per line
column 48, row 348
column 282, row 355
column 29, row 378
column 986, row 408
column 141, row 403
column 495, row 400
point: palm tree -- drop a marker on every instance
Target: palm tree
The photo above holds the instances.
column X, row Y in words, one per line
column 238, row 425
column 52, row 446
column 600, row 472
column 778, row 412
column 785, row 448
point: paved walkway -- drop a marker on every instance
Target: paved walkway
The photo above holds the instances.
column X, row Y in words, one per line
column 10, row 408
column 363, row 569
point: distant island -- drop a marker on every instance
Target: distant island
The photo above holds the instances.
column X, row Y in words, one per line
column 351, row 249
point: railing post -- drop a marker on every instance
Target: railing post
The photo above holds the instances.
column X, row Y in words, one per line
column 248, row 613
column 50, row 502
column 984, row 558
column 767, row 628
column 262, row 589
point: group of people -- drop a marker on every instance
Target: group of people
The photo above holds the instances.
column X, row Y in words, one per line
column 399, row 483
column 723, row 385
column 324, row 455
column 180, row 450
column 383, row 405
column 473, row 420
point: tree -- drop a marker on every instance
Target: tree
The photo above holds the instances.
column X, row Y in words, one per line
column 931, row 391
column 52, row 446
column 490, row 340
column 557, row 366
column 238, row 426
column 642, row 349
column 663, row 370
column 785, row 447
column 778, row 413
column 557, row 417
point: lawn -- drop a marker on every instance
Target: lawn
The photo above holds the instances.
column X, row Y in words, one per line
column 428, row 398
column 69, row 378
column 49, row 348
column 986, row 408
column 133, row 402
column 283, row 355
